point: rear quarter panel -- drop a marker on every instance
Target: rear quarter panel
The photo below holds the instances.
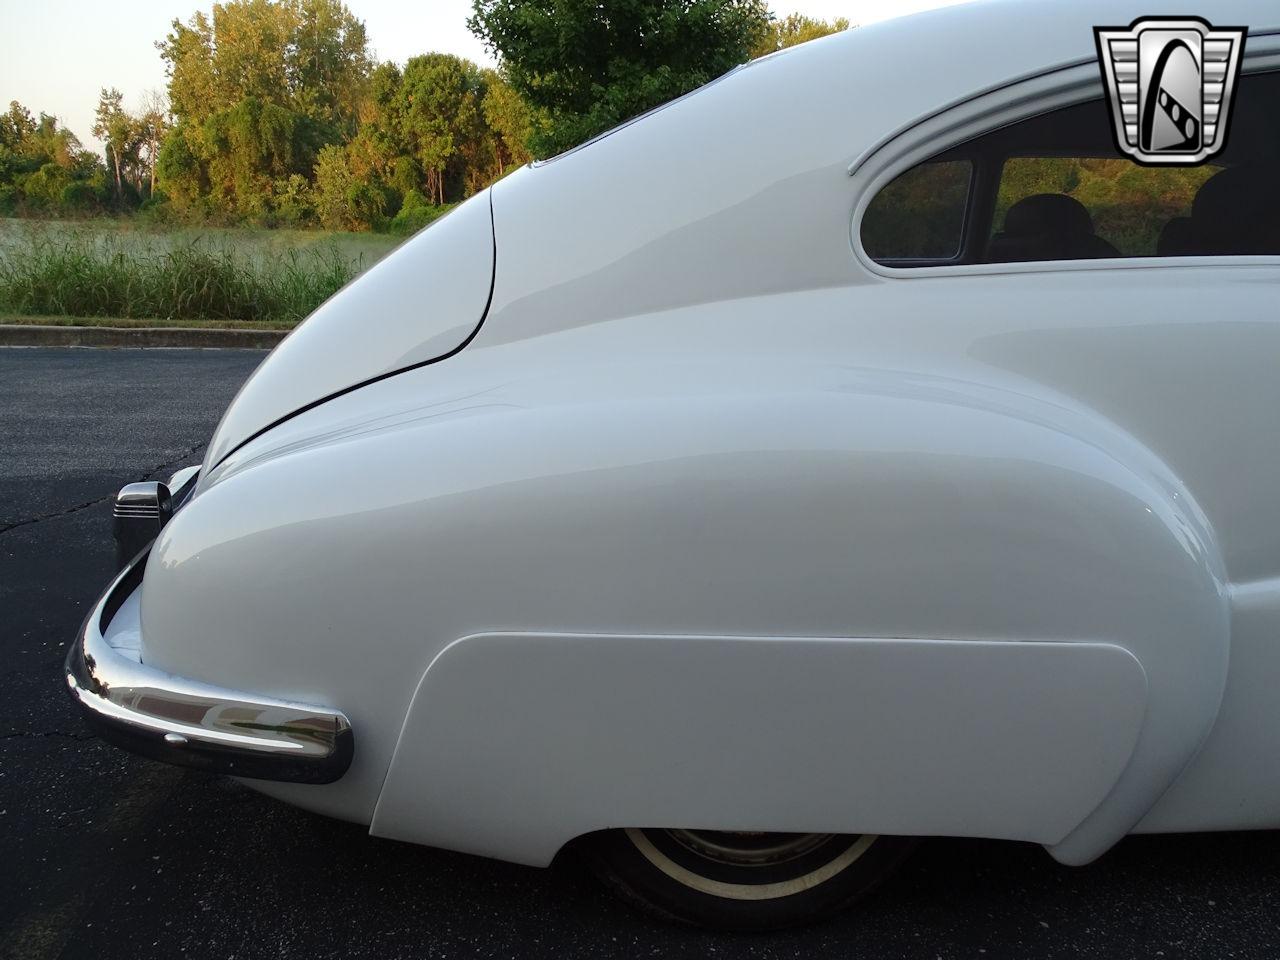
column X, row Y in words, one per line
column 692, row 474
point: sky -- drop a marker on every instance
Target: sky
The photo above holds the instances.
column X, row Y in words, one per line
column 87, row 50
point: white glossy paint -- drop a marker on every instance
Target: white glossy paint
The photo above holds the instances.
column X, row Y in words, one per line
column 1234, row 783
column 418, row 303
column 694, row 411
column 811, row 739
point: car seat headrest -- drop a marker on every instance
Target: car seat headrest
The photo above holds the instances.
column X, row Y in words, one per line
column 1237, row 211
column 1051, row 213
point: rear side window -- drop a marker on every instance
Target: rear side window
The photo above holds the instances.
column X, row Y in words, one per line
column 1054, row 187
column 1128, row 205
column 920, row 215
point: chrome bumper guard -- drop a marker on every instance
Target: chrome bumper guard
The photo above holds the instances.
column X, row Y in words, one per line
column 194, row 724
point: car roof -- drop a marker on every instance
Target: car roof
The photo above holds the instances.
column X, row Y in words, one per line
column 849, row 90
column 987, row 37
column 924, row 61
column 756, row 165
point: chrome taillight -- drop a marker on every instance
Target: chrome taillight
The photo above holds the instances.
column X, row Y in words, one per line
column 138, row 515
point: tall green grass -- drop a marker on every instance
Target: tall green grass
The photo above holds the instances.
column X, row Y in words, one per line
column 188, row 281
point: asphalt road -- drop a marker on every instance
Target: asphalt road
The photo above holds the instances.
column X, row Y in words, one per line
column 105, row 855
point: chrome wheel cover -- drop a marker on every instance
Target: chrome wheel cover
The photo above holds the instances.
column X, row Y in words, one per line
column 748, row 849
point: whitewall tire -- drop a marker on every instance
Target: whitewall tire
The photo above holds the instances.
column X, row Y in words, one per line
column 742, row 881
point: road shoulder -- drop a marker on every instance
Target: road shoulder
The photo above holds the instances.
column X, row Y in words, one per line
column 40, row 335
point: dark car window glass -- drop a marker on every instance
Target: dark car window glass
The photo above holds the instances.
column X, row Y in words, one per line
column 920, row 215
column 1055, row 187
column 1128, row 205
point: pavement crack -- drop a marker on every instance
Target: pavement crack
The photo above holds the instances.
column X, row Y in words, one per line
column 165, row 467
column 170, row 465
column 54, row 514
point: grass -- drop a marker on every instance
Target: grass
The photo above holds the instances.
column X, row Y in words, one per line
column 38, row 320
column 107, row 270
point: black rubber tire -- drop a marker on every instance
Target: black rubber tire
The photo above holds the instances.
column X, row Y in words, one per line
column 704, row 892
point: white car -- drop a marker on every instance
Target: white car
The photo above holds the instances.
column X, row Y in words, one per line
column 781, row 476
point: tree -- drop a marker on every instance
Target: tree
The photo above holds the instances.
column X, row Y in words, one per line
column 258, row 88
column 333, row 183
column 188, row 54
column 248, row 147
column 180, row 173
column 119, row 131
column 276, row 111
column 43, row 167
column 438, row 108
column 153, row 123
column 796, row 28
column 17, row 126
column 327, row 62
column 310, row 56
column 342, row 201
column 52, row 143
column 511, row 120
column 590, row 65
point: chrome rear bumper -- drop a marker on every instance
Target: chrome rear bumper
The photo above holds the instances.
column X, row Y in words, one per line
column 196, row 724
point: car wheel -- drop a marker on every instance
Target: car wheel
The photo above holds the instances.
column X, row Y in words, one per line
column 742, row 881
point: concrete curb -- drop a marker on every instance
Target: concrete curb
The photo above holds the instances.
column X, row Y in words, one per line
column 39, row 335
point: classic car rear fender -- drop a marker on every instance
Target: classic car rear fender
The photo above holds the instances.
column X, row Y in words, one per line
column 843, row 600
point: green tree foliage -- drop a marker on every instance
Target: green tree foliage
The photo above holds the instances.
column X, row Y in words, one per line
column 275, row 111
column 179, row 169
column 511, row 120
column 257, row 90
column 131, row 143
column 588, row 66
column 16, row 126
column 327, row 63
column 250, row 146
column 309, row 56
column 424, row 140
column 1129, row 204
column 281, row 115
column 122, row 136
column 796, row 28
column 43, row 168
column 334, row 187
column 438, row 116
column 152, row 123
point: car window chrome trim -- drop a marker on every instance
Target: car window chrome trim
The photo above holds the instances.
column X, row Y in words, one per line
column 195, row 724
